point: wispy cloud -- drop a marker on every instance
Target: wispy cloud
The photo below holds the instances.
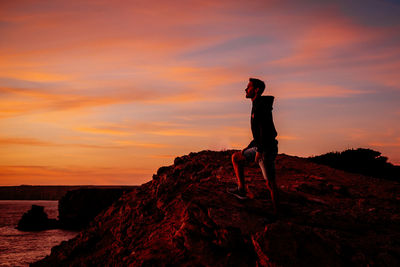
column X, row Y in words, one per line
column 397, row 144
column 166, row 129
column 52, row 175
column 288, row 137
column 105, row 130
column 18, row 101
column 118, row 144
column 24, row 141
column 313, row 90
column 102, row 83
column 131, row 128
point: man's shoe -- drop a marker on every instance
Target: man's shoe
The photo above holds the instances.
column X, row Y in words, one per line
column 240, row 194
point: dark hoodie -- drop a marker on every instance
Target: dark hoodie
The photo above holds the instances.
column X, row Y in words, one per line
column 262, row 124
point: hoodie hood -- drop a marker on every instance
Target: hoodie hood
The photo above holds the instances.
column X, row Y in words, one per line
column 265, row 101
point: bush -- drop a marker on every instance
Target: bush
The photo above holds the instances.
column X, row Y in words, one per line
column 360, row 160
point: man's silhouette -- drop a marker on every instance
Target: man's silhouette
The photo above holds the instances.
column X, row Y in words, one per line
column 263, row 148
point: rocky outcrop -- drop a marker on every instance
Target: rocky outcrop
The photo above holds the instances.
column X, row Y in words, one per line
column 36, row 220
column 78, row 207
column 184, row 217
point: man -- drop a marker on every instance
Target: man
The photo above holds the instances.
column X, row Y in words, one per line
column 263, row 148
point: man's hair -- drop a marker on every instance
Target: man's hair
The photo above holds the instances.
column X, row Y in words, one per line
column 258, row 84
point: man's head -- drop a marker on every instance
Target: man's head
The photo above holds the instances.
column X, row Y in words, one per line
column 254, row 88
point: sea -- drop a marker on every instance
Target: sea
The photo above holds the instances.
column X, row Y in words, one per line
column 18, row 248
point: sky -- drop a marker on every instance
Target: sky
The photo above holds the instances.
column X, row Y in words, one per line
column 106, row 92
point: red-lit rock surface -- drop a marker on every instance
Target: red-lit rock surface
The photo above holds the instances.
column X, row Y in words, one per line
column 184, row 217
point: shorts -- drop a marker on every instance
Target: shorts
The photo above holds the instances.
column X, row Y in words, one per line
column 270, row 154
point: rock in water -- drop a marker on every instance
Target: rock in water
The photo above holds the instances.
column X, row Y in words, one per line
column 36, row 220
column 184, row 217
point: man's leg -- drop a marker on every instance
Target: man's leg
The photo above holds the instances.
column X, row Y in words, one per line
column 267, row 165
column 238, row 165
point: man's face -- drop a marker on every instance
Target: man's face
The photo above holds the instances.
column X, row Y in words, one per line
column 250, row 91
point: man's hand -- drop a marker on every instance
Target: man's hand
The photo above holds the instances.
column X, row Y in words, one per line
column 258, row 157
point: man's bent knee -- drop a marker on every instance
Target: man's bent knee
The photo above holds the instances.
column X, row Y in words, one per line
column 237, row 157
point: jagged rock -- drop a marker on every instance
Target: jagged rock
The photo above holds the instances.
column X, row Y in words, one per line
column 36, row 220
column 184, row 217
column 288, row 244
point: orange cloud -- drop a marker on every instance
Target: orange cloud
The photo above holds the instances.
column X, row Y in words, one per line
column 103, row 130
column 119, row 144
column 24, row 101
column 129, row 128
column 4, row 141
column 165, row 156
column 195, row 117
column 34, row 100
column 24, row 141
column 130, row 143
column 49, row 175
column 35, row 76
column 166, row 129
column 287, row 137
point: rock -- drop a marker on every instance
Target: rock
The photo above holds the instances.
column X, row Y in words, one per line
column 184, row 217
column 79, row 207
column 287, row 244
column 36, row 220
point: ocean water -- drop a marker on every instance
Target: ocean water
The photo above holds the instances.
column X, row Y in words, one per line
column 19, row 248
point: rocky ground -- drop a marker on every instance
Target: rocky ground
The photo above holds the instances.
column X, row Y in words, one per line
column 184, row 217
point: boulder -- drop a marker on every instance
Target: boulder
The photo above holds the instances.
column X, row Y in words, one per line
column 36, row 219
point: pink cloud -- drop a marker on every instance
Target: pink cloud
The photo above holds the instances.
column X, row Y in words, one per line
column 311, row 90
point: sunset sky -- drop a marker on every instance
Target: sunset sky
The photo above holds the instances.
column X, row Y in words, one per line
column 105, row 92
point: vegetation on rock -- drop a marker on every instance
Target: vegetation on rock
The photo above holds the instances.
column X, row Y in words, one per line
column 361, row 160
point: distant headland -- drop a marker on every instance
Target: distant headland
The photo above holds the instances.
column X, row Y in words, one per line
column 48, row 192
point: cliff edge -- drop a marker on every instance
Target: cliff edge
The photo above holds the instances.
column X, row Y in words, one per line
column 184, row 217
